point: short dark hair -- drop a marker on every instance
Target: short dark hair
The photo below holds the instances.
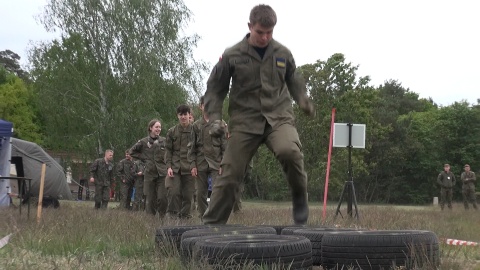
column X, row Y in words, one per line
column 446, row 165
column 264, row 15
column 183, row 109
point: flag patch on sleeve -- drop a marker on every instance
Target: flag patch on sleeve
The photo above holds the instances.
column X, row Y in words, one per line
column 281, row 62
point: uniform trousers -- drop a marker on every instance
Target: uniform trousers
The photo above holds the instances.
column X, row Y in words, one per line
column 284, row 142
column 155, row 195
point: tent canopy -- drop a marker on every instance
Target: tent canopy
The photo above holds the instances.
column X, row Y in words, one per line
column 33, row 156
column 5, row 128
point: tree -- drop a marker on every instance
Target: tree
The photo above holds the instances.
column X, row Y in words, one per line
column 118, row 64
column 10, row 61
column 18, row 107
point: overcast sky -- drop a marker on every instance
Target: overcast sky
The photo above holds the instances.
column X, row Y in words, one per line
column 430, row 47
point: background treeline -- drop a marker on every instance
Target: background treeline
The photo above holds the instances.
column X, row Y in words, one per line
column 118, row 64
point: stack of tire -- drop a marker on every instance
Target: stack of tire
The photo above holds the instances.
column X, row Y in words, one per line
column 304, row 247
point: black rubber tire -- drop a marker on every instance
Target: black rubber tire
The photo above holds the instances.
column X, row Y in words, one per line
column 171, row 235
column 189, row 238
column 380, row 249
column 292, row 251
column 288, row 230
column 315, row 236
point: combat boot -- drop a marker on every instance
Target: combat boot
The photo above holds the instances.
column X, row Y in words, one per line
column 300, row 208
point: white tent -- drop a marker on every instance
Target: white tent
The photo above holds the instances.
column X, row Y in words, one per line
column 6, row 131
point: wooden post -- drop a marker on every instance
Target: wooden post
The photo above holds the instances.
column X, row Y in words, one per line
column 40, row 193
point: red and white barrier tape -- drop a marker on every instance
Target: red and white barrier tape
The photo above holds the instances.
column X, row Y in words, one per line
column 455, row 242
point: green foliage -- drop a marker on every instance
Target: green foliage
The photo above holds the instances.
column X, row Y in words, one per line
column 117, row 65
column 408, row 139
column 18, row 107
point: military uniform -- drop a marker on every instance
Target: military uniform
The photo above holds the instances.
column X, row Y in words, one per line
column 102, row 172
column 151, row 152
column 446, row 180
column 181, row 186
column 126, row 176
column 138, row 197
column 205, row 153
column 261, row 111
column 468, row 189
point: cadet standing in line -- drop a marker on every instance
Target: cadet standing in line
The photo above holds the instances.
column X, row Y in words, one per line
column 264, row 79
column 446, row 180
column 126, row 174
column 468, row 187
column 205, row 152
column 151, row 151
column 180, row 183
column 101, row 173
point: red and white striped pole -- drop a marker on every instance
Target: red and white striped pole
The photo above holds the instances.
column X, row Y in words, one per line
column 456, row 242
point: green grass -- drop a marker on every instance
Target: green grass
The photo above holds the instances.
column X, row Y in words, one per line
column 76, row 236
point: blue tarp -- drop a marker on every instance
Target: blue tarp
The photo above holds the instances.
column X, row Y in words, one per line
column 5, row 128
column 5, row 152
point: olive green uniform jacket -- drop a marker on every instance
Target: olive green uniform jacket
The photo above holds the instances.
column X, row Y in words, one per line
column 102, row 172
column 125, row 170
column 204, row 150
column 176, row 153
column 468, row 180
column 446, row 180
column 261, row 89
column 151, row 151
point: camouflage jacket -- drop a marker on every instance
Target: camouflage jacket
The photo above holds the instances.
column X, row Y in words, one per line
column 151, row 151
column 261, row 88
column 205, row 151
column 125, row 170
column 176, row 158
column 446, row 179
column 102, row 172
column 468, row 180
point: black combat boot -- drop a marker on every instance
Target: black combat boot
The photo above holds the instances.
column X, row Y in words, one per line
column 300, row 208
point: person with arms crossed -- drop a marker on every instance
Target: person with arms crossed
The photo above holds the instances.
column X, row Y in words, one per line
column 468, row 187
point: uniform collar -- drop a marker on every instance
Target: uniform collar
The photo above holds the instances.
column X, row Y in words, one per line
column 247, row 48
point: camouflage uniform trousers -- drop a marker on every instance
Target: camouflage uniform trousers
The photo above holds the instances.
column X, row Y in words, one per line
column 126, row 190
column 102, row 196
column 469, row 197
column 446, row 195
column 155, row 195
column 201, row 186
column 180, row 189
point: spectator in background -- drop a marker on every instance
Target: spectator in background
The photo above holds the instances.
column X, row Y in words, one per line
column 468, row 187
column 101, row 174
column 126, row 175
column 446, row 180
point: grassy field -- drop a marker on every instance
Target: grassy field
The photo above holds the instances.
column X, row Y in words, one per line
column 76, row 236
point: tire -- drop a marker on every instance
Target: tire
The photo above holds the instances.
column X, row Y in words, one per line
column 290, row 229
column 315, row 236
column 171, row 235
column 292, row 251
column 189, row 238
column 380, row 249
